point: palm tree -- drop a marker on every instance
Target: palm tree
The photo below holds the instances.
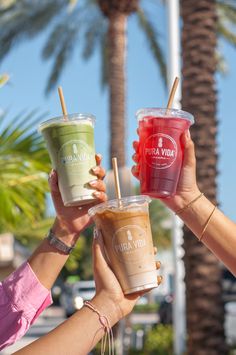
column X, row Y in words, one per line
column 205, row 311
column 24, row 165
column 226, row 12
column 102, row 23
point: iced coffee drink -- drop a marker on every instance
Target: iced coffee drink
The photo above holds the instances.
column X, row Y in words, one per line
column 127, row 237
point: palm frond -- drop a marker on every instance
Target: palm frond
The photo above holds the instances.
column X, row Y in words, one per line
column 35, row 233
column 227, row 20
column 4, row 78
column 152, row 39
column 94, row 31
column 26, row 19
column 227, row 34
column 65, row 37
column 24, row 163
column 222, row 66
column 66, row 46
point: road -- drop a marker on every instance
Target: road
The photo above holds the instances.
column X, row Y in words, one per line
column 52, row 317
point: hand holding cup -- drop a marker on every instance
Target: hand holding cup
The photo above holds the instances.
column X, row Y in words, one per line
column 72, row 220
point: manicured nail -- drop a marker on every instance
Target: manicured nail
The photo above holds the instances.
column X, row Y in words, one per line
column 93, row 183
column 96, row 194
column 188, row 135
column 52, row 172
column 99, row 156
column 158, row 265
column 159, row 280
column 95, row 170
column 155, row 250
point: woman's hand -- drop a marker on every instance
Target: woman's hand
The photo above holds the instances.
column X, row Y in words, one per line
column 187, row 188
column 110, row 299
column 71, row 221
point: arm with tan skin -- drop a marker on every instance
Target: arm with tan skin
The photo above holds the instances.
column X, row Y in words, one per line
column 220, row 234
column 81, row 332
column 47, row 261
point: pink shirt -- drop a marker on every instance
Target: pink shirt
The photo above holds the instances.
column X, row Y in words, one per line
column 22, row 299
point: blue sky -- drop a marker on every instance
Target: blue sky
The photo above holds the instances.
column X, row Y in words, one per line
column 81, row 85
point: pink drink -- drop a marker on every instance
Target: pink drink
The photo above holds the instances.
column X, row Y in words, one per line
column 161, row 152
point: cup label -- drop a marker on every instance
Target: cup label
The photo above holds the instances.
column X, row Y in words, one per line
column 130, row 244
column 160, row 151
column 75, row 153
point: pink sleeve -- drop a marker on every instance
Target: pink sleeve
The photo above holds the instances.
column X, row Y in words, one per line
column 22, row 299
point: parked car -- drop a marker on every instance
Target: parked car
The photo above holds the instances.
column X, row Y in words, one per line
column 74, row 295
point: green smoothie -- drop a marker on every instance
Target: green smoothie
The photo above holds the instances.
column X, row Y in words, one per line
column 71, row 148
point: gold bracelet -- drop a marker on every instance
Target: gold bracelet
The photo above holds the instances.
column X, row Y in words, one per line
column 181, row 210
column 206, row 224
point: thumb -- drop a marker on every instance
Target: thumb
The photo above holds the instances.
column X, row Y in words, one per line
column 189, row 151
column 99, row 258
column 55, row 192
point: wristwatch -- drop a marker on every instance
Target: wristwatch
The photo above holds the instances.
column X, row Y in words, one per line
column 58, row 243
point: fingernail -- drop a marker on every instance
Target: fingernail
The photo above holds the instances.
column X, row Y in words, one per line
column 155, row 250
column 159, row 280
column 188, row 135
column 95, row 170
column 96, row 194
column 93, row 182
column 99, row 156
column 52, row 172
column 158, row 265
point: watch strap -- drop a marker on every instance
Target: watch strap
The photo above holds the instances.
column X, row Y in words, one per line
column 58, row 243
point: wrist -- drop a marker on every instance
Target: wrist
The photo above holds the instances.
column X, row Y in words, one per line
column 107, row 307
column 179, row 201
column 61, row 232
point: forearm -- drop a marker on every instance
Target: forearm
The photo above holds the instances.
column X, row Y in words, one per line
column 76, row 336
column 47, row 261
column 220, row 235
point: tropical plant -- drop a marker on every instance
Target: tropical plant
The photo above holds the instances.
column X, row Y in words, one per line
column 24, row 165
column 159, row 341
column 3, row 79
column 226, row 20
column 160, row 220
column 75, row 263
column 205, row 312
column 72, row 21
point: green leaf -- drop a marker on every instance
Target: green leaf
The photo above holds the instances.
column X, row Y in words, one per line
column 24, row 163
column 4, row 78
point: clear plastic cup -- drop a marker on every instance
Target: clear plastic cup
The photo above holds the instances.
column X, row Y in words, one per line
column 128, row 241
column 70, row 144
column 160, row 150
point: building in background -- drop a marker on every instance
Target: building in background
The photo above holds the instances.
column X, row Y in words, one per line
column 12, row 254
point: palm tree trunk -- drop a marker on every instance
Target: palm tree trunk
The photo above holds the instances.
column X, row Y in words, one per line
column 205, row 311
column 116, row 74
